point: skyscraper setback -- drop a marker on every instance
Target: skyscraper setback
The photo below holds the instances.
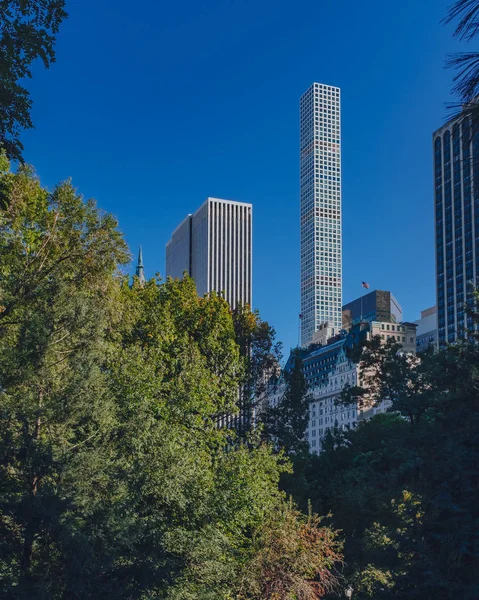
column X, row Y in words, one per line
column 214, row 245
column 320, row 189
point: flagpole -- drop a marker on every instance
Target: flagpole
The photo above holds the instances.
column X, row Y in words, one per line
column 361, row 319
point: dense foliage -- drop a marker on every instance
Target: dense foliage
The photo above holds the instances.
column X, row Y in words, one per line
column 260, row 355
column 115, row 480
column 404, row 486
column 285, row 422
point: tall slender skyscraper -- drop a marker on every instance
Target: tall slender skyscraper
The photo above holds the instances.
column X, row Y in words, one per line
column 320, row 171
column 456, row 203
column 214, row 245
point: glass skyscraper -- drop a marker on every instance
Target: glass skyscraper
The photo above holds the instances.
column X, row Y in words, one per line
column 456, row 181
column 320, row 189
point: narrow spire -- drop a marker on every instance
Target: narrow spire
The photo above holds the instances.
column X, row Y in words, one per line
column 140, row 270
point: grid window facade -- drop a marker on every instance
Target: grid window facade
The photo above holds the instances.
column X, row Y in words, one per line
column 214, row 245
column 230, row 242
column 456, row 209
column 320, row 192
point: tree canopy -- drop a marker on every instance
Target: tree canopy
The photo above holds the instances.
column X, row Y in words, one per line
column 115, row 479
column 403, row 486
column 285, row 423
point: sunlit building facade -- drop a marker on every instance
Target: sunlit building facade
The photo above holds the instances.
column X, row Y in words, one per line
column 214, row 246
column 328, row 369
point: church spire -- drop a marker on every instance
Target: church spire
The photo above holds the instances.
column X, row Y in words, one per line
column 140, row 270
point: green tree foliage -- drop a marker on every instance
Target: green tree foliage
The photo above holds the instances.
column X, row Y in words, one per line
column 407, row 382
column 115, row 481
column 58, row 255
column 260, row 355
column 27, row 31
column 285, row 424
column 403, row 487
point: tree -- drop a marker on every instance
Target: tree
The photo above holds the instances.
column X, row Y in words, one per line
column 115, row 480
column 260, row 354
column 58, row 256
column 206, row 501
column 294, row 558
column 402, row 486
column 389, row 374
column 28, row 31
column 286, row 423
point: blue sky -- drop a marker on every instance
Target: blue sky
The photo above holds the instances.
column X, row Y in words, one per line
column 154, row 109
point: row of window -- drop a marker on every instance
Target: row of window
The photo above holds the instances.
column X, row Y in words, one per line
column 393, row 327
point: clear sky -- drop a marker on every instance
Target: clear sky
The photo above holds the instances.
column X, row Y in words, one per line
column 152, row 107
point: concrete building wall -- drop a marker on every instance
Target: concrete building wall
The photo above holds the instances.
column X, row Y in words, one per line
column 178, row 250
column 200, row 258
column 402, row 333
column 426, row 333
column 327, row 370
column 230, row 250
column 215, row 246
column 324, row 413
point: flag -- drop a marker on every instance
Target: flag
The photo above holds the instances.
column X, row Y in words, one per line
column 365, row 285
column 300, row 315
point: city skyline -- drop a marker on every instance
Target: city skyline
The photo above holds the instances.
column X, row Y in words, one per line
column 235, row 135
column 182, row 418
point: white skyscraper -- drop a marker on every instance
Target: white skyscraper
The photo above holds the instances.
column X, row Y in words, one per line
column 320, row 167
column 214, row 245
